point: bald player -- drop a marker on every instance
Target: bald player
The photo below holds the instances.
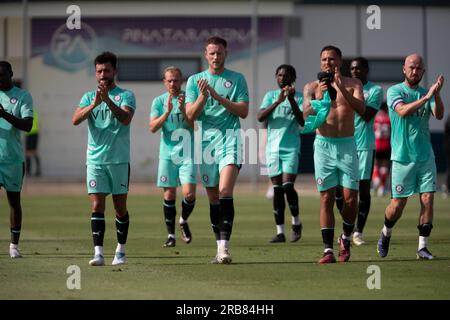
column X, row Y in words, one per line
column 335, row 156
column 413, row 164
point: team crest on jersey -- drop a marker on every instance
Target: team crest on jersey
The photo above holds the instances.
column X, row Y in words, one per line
column 228, row 84
column 366, row 95
column 319, row 181
column 92, row 183
column 399, row 188
column 13, row 100
column 205, row 178
column 163, row 179
column 117, row 98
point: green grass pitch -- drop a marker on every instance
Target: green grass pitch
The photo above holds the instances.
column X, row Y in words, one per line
column 56, row 234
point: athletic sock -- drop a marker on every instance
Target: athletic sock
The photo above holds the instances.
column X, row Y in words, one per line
column 214, row 212
column 278, row 204
column 388, row 225
column 186, row 208
column 170, row 211
column 98, row 227
column 339, row 199
column 364, row 208
column 15, row 234
column 292, row 198
column 348, row 229
column 227, row 217
column 327, row 238
column 424, row 234
column 122, row 224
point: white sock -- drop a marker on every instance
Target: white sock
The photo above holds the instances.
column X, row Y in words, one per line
column 224, row 244
column 120, row 248
column 98, row 250
column 357, row 234
column 218, row 245
column 171, row 235
column 296, row 220
column 280, row 228
column 387, row 231
column 343, row 236
column 423, row 242
column 182, row 221
column 13, row 246
column 328, row 250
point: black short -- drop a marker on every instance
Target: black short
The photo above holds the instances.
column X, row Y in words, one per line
column 383, row 155
column 31, row 142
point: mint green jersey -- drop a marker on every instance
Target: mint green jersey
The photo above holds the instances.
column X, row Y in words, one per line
column 108, row 139
column 230, row 85
column 410, row 136
column 281, row 123
column 173, row 141
column 364, row 134
column 19, row 103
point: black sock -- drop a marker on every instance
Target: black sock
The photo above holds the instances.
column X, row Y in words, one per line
column 98, row 227
column 389, row 224
column 170, row 212
column 122, row 228
column 278, row 204
column 28, row 165
column 339, row 199
column 15, row 235
column 214, row 215
column 227, row 217
column 186, row 208
column 347, row 228
column 364, row 208
column 327, row 237
column 38, row 165
column 292, row 198
column 425, row 229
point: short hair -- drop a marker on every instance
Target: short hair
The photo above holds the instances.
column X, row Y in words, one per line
column 289, row 69
column 332, row 48
column 363, row 61
column 216, row 40
column 172, row 69
column 106, row 57
column 7, row 66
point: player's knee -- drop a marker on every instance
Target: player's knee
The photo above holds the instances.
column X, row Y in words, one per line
column 189, row 196
column 426, row 198
column 225, row 192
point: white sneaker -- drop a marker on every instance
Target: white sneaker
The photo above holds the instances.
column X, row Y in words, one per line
column 14, row 253
column 223, row 256
column 97, row 261
column 358, row 239
column 119, row 258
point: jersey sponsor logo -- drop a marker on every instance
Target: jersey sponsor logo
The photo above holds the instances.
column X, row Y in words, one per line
column 319, row 181
column 163, row 179
column 227, row 84
column 399, row 188
column 13, row 100
column 205, row 178
column 92, row 183
column 117, row 98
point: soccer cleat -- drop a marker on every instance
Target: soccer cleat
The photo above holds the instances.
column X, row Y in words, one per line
column 296, row 232
column 223, row 256
column 424, row 254
column 215, row 260
column 119, row 258
column 15, row 253
column 170, row 242
column 383, row 245
column 328, row 257
column 358, row 239
column 186, row 234
column 344, row 250
column 278, row 238
column 97, row 261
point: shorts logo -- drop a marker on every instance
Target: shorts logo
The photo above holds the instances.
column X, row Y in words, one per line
column 399, row 188
column 117, row 98
column 319, row 181
column 13, row 100
column 92, row 183
column 228, row 84
column 163, row 179
column 205, row 178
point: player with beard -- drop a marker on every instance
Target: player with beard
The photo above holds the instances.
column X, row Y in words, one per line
column 109, row 110
column 282, row 110
column 413, row 163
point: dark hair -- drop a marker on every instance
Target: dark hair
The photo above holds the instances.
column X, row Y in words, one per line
column 290, row 70
column 363, row 61
column 332, row 48
column 106, row 57
column 7, row 66
column 216, row 40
